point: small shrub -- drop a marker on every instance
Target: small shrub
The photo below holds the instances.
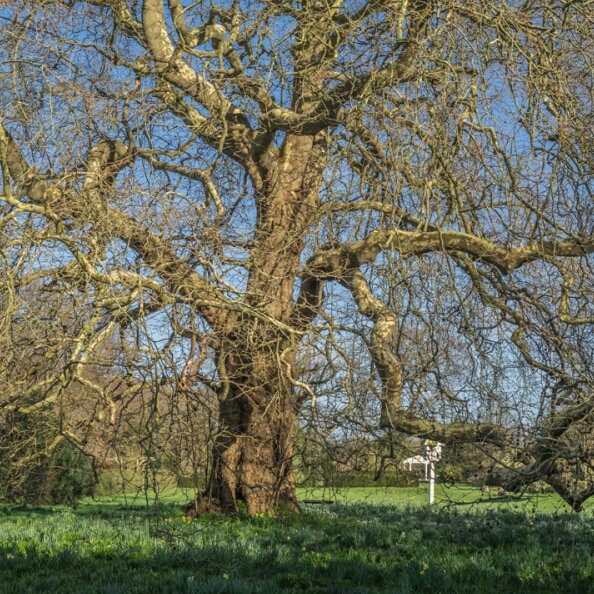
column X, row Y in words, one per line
column 36, row 468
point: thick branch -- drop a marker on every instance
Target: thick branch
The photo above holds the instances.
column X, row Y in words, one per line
column 385, row 323
column 408, row 423
column 548, row 453
column 388, row 367
column 90, row 206
column 176, row 72
column 124, row 18
column 311, row 296
column 27, row 180
column 333, row 263
column 341, row 264
column 395, row 212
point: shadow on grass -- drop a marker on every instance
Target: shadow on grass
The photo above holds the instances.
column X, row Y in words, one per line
column 355, row 549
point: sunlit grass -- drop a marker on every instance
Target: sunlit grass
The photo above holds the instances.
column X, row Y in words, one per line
column 131, row 489
column 445, row 496
column 117, row 545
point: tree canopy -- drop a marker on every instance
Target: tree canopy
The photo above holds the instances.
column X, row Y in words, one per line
column 367, row 211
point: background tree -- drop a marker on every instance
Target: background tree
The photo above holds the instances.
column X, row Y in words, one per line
column 402, row 188
column 39, row 462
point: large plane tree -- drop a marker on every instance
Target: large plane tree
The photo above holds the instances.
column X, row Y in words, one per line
column 299, row 205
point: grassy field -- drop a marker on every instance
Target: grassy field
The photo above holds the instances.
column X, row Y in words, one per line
column 445, row 497
column 384, row 541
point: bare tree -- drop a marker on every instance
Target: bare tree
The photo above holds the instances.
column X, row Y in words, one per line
column 403, row 189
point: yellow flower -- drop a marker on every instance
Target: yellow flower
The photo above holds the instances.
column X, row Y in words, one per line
column 225, row 576
column 425, row 568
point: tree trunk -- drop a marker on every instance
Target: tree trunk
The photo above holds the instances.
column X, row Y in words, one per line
column 254, row 447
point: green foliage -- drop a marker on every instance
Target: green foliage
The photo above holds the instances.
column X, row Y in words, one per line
column 355, row 478
column 63, row 476
column 466, row 463
column 39, row 467
column 451, row 473
column 361, row 462
column 115, row 481
column 68, row 475
column 346, row 549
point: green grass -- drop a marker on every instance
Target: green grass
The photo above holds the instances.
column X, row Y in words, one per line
column 445, row 496
column 384, row 543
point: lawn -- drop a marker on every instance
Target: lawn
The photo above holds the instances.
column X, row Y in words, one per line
column 445, row 496
column 384, row 541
